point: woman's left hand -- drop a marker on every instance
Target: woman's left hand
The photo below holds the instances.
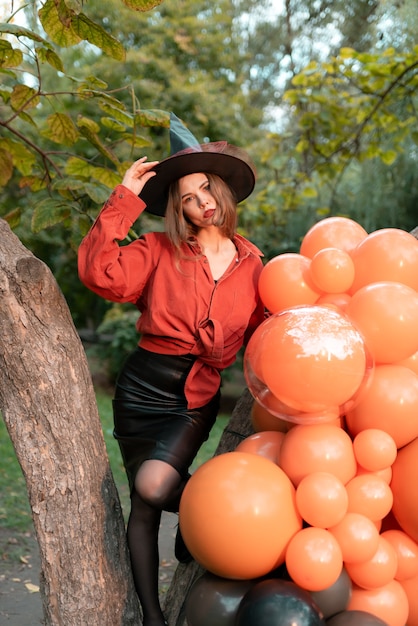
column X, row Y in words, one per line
column 138, row 174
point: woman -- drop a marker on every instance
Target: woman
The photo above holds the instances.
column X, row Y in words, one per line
column 195, row 286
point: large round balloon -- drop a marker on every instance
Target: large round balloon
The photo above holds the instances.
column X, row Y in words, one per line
column 386, row 313
column 317, row 448
column 404, row 488
column 311, row 358
column 279, row 603
column 334, row 598
column 332, row 232
column 322, row 499
column 237, row 515
column 355, row 618
column 285, row 281
column 386, row 254
column 214, row 600
column 332, row 270
column 314, row 559
column 390, row 402
column 389, row 603
column 357, row 537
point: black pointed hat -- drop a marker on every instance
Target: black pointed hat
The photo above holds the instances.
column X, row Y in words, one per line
column 229, row 162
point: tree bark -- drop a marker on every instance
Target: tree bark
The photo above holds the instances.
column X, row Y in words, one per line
column 49, row 407
column 238, row 428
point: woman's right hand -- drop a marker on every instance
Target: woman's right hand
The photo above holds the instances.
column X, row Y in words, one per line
column 138, row 174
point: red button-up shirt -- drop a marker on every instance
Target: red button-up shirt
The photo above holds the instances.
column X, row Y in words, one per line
column 183, row 310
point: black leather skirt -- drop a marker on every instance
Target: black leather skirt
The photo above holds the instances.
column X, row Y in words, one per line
column 150, row 411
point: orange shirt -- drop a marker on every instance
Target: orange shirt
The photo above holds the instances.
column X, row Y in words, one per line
column 183, row 310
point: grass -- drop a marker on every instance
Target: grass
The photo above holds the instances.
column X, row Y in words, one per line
column 14, row 506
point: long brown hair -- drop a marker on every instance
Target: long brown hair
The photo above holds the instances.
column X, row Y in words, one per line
column 179, row 230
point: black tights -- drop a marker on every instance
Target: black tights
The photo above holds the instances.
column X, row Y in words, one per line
column 158, row 487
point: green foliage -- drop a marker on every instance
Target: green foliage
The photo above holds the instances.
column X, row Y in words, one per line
column 117, row 338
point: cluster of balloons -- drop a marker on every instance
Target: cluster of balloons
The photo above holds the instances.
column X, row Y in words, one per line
column 314, row 518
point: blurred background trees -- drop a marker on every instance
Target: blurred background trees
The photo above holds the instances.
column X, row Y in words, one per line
column 323, row 94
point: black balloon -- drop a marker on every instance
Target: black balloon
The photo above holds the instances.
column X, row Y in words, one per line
column 335, row 598
column 214, row 601
column 355, row 618
column 278, row 603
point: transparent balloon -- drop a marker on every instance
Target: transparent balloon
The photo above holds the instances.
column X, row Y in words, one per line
column 307, row 364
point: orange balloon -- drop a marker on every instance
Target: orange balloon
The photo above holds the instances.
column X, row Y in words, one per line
column 374, row 449
column 386, row 254
column 314, row 559
column 369, row 495
column 314, row 358
column 377, row 571
column 386, row 313
column 404, row 488
column 407, row 553
column 410, row 587
column 332, row 232
column 390, row 403
column 389, row 603
column 317, row 448
column 266, row 444
column 237, row 515
column 262, row 419
column 285, row 281
column 321, row 499
column 339, row 300
column 357, row 537
column 332, row 270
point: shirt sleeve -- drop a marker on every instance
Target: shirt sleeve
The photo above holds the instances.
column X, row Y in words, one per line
column 115, row 272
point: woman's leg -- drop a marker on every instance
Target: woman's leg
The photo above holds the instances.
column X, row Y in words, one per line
column 158, row 487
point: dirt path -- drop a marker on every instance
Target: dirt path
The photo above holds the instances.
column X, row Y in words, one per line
column 20, row 602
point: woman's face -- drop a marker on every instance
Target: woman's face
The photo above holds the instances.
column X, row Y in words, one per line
column 199, row 206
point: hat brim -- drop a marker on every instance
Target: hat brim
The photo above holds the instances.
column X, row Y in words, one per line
column 237, row 174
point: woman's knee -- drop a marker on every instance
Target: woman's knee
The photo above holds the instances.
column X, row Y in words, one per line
column 156, row 482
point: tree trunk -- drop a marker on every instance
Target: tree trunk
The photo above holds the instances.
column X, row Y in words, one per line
column 49, row 407
column 238, row 428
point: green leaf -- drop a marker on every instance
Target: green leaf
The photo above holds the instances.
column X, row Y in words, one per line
column 89, row 130
column 96, row 35
column 309, row 192
column 23, row 158
column 24, row 97
column 142, row 5
column 9, row 56
column 5, row 93
column 49, row 56
column 79, row 168
column 20, row 31
column 61, row 129
column 98, row 193
column 108, row 122
column 90, row 125
column 6, row 167
column 118, row 113
column 49, row 212
column 56, row 21
column 13, row 218
column 389, row 156
column 34, row 183
column 153, row 117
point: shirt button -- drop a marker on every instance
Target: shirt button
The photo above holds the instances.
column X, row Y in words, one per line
column 121, row 195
